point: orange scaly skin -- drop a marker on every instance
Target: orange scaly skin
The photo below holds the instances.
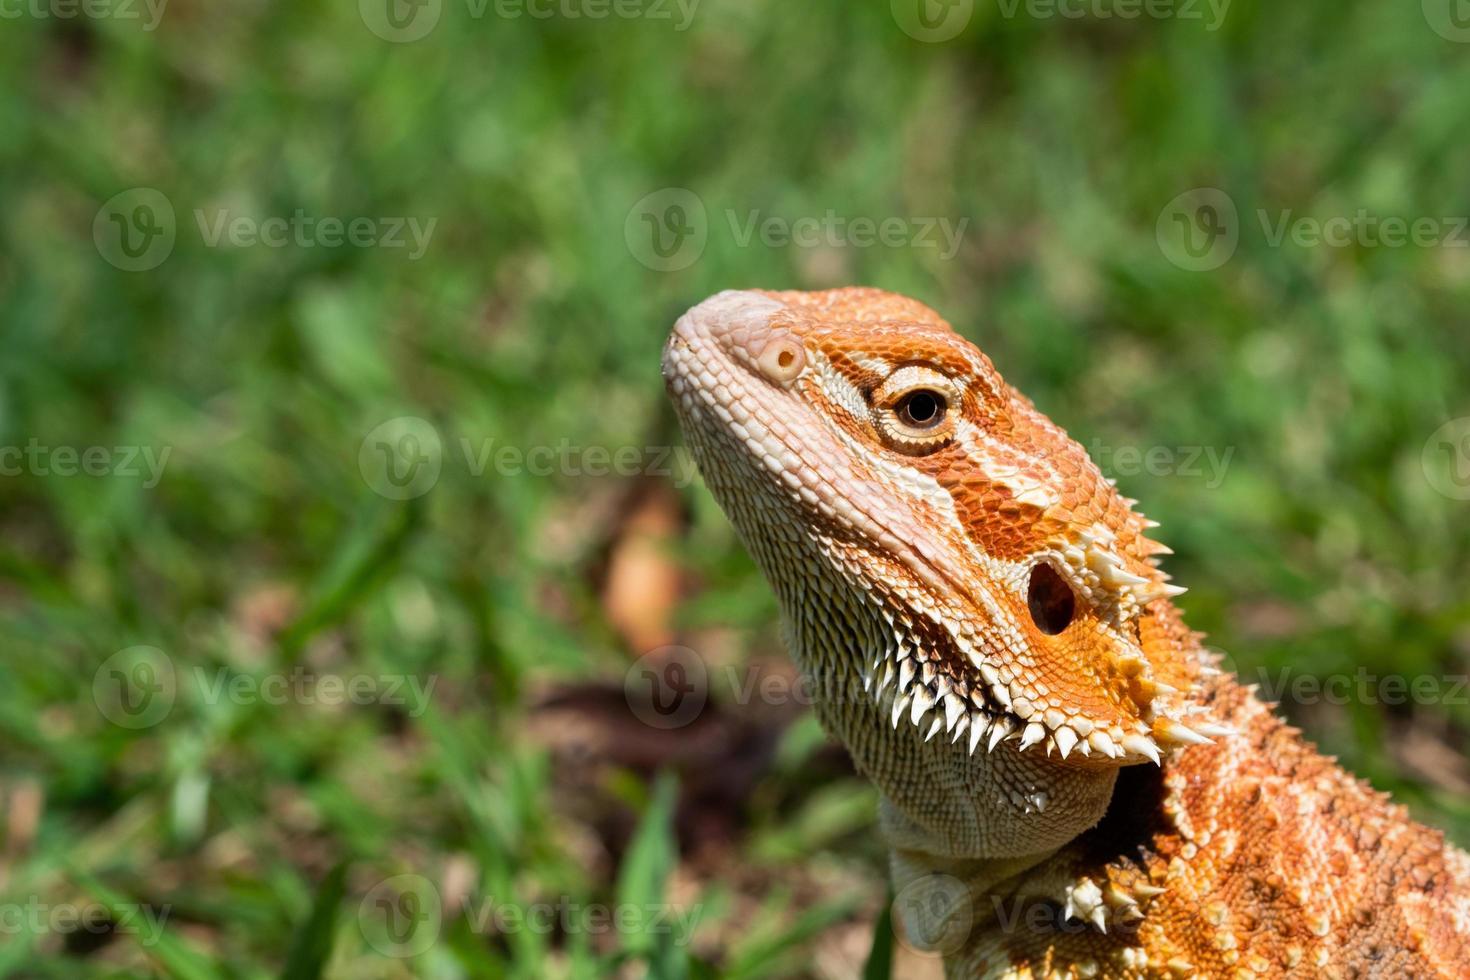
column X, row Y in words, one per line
column 986, row 626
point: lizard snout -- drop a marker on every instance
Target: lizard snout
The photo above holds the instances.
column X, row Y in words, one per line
column 738, row 326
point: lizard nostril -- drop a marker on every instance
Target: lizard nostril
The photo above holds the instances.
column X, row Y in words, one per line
column 782, row 360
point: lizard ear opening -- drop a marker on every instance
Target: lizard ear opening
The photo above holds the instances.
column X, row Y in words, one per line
column 1050, row 600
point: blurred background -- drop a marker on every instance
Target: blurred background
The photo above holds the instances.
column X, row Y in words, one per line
column 345, row 529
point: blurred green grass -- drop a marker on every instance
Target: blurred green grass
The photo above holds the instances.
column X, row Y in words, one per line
column 530, row 321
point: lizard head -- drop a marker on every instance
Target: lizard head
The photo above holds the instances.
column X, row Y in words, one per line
column 869, row 455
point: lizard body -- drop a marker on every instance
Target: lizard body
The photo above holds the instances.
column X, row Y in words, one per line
column 986, row 626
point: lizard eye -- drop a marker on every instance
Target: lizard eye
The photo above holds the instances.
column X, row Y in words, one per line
column 922, row 409
column 914, row 410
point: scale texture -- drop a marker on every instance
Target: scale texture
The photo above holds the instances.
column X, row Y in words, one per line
column 1070, row 786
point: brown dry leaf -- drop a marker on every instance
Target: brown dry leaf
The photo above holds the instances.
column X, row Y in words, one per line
column 263, row 612
column 1426, row 755
column 457, row 883
column 1267, row 619
column 641, row 584
column 24, row 801
column 720, row 755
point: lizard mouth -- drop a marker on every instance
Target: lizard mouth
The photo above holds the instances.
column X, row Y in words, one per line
column 937, row 682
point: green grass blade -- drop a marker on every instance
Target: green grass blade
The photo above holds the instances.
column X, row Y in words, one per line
column 312, row 946
column 880, row 957
column 641, row 879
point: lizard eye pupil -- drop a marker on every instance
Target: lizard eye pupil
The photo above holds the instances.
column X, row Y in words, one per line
column 922, row 409
column 1050, row 600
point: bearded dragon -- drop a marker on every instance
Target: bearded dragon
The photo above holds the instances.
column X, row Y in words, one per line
column 985, row 624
